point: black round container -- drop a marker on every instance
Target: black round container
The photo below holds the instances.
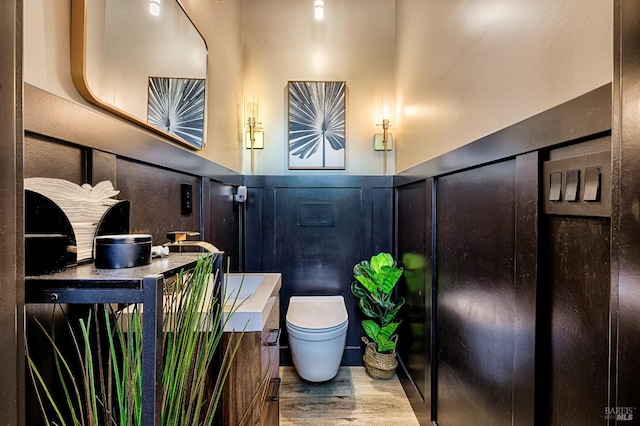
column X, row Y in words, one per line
column 122, row 251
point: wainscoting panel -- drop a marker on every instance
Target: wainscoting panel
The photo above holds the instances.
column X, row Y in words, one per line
column 573, row 321
column 313, row 231
column 317, row 243
column 44, row 158
column 476, row 297
column 154, row 194
column 223, row 230
column 414, row 239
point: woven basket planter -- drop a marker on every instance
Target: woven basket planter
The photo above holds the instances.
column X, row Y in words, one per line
column 379, row 365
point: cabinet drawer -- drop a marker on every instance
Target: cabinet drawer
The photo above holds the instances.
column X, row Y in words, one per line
column 252, row 387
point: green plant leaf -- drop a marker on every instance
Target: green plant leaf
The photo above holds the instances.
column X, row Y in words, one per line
column 387, row 279
column 367, row 309
column 357, row 290
column 37, row 378
column 368, row 284
column 388, row 330
column 390, row 315
column 371, row 329
column 381, row 260
column 359, row 268
column 385, row 345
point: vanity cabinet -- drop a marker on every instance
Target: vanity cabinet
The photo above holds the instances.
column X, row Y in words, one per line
column 86, row 284
column 251, row 391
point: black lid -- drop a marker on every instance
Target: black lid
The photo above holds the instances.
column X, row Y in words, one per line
column 123, row 239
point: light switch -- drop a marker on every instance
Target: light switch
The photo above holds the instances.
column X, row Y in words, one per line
column 555, row 186
column 186, row 199
column 592, row 183
column 572, row 190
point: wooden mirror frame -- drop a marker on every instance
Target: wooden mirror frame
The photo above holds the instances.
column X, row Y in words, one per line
column 79, row 30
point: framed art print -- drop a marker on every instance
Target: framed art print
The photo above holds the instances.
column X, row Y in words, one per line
column 176, row 105
column 316, row 124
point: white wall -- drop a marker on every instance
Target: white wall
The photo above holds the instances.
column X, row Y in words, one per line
column 460, row 69
column 354, row 43
column 467, row 68
column 47, row 56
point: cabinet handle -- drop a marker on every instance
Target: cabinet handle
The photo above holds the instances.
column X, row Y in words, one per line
column 276, row 381
column 277, row 340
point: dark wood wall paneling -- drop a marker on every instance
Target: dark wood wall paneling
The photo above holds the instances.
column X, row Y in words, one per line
column 493, row 362
column 574, row 321
column 224, row 222
column 626, row 233
column 46, row 158
column 314, row 229
column 155, row 199
column 414, row 251
column 11, row 219
column 476, row 298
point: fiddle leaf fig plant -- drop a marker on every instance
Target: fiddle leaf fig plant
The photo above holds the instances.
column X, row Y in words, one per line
column 374, row 283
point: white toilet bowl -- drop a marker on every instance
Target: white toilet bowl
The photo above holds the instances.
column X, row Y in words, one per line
column 317, row 328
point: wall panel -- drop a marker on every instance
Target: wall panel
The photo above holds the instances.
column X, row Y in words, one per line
column 12, row 407
column 414, row 241
column 154, row 194
column 316, row 258
column 224, row 222
column 476, row 297
column 573, row 316
column 43, row 158
column 313, row 231
column 625, row 245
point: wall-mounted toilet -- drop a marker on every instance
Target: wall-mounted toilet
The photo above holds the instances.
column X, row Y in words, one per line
column 317, row 328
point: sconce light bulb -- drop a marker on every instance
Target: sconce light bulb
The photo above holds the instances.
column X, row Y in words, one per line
column 385, row 112
column 154, row 7
column 319, row 10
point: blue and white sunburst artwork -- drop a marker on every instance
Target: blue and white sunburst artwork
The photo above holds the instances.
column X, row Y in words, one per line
column 316, row 121
column 176, row 105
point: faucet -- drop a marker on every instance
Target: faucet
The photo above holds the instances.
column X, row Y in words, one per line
column 179, row 239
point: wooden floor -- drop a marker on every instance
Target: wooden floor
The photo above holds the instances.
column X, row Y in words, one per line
column 351, row 398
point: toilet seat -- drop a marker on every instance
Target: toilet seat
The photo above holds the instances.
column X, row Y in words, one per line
column 316, row 313
column 317, row 330
column 314, row 335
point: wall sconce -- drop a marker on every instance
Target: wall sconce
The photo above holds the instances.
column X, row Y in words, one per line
column 318, row 10
column 384, row 141
column 154, row 7
column 254, row 136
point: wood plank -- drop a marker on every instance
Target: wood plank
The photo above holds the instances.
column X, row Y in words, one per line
column 352, row 397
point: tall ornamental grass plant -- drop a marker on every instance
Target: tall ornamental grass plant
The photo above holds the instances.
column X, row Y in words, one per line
column 98, row 382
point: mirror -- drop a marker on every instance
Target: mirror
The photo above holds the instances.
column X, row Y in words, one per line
column 150, row 69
